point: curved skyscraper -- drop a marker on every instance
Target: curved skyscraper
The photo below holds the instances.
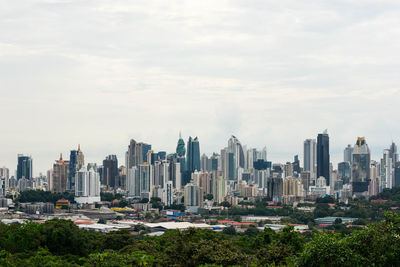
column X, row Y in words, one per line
column 180, row 148
column 235, row 147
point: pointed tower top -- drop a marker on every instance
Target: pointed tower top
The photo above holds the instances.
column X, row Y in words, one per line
column 61, row 159
column 180, row 135
column 79, row 147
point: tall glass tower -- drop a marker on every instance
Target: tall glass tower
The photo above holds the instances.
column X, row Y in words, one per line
column 360, row 171
column 323, row 159
column 24, row 167
column 193, row 155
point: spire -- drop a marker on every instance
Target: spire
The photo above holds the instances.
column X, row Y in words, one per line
column 61, row 159
column 180, row 135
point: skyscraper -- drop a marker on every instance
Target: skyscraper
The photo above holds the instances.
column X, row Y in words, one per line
column 87, row 186
column 76, row 161
column 24, row 167
column 296, row 164
column 193, row 155
column 131, row 155
column 110, row 171
column 323, row 159
column 60, row 176
column 344, row 172
column 360, row 173
column 180, row 148
column 4, row 173
column 393, row 154
column 310, row 156
column 347, row 154
column 386, row 170
column 137, row 153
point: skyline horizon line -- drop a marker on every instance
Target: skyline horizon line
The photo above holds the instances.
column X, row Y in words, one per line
column 334, row 156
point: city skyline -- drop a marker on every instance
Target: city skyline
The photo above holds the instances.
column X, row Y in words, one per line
column 89, row 158
column 271, row 73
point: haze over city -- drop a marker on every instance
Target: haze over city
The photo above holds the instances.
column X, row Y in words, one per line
column 272, row 73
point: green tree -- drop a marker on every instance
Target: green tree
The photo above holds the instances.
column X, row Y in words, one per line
column 209, row 197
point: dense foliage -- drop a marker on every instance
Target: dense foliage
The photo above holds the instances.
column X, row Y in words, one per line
column 43, row 196
column 61, row 243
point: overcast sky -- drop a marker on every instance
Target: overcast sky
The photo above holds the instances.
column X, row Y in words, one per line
column 272, row 73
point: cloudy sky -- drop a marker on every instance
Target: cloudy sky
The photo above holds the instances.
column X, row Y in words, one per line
column 270, row 72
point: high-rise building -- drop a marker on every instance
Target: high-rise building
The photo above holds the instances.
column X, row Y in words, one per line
column 360, row 170
column 4, row 173
column 193, row 155
column 204, row 163
column 305, row 178
column 296, row 165
column 344, row 172
column 323, row 158
column 132, row 182
column 110, row 171
column 60, row 176
column 235, row 147
column 76, row 162
column 193, row 195
column 87, row 186
column 137, row 153
column 180, row 148
column 263, row 154
column 175, row 175
column 310, row 156
column 386, row 170
column 219, row 187
column 131, row 155
column 24, row 167
column 275, row 188
column 213, row 162
column 347, row 154
column 292, row 190
column 393, row 153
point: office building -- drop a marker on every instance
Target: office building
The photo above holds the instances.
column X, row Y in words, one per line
column 347, row 154
column 76, row 162
column 24, row 167
column 180, row 148
column 310, row 156
column 393, row 154
column 192, row 158
column 137, row 153
column 344, row 172
column 360, row 169
column 110, row 171
column 323, row 158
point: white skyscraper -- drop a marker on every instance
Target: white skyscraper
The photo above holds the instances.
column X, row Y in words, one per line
column 87, row 186
column 386, row 170
column 132, row 185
